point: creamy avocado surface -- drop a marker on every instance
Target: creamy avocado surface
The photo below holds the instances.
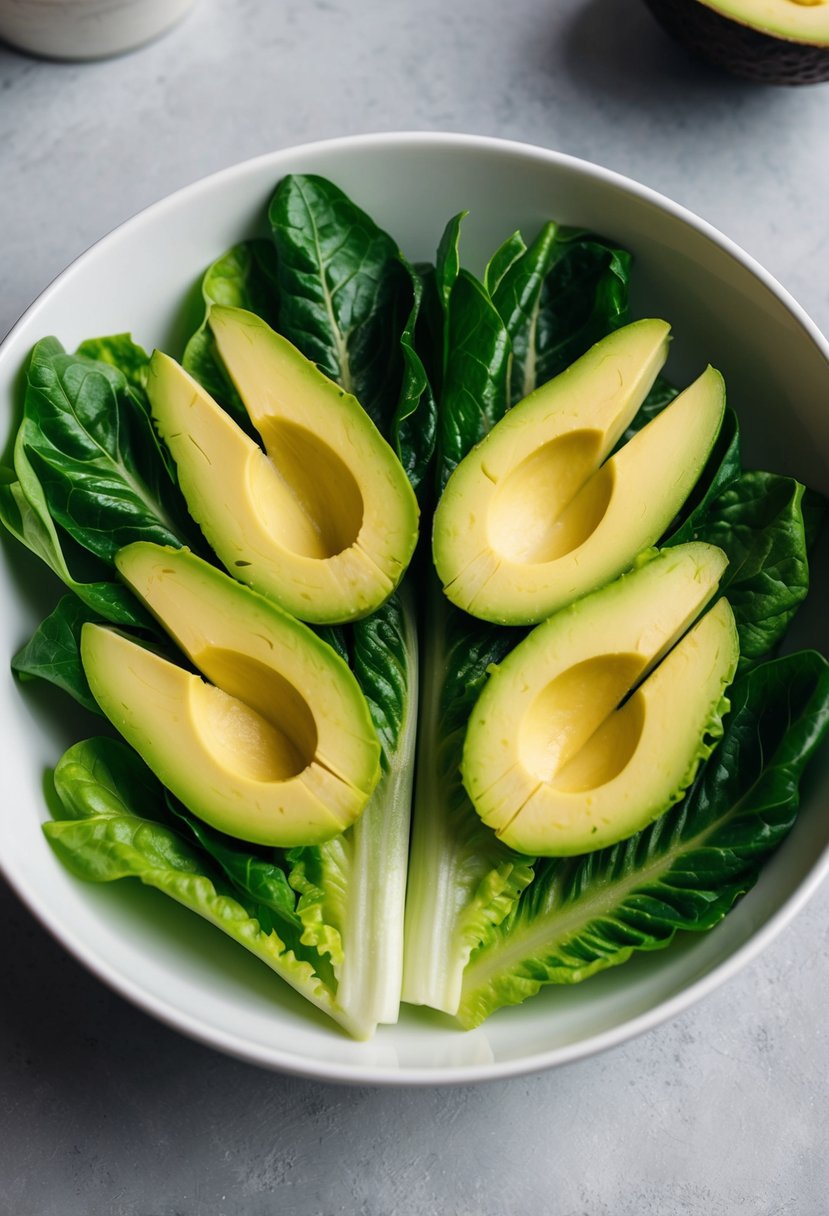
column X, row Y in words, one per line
column 275, row 744
column 540, row 513
column 596, row 723
column 324, row 520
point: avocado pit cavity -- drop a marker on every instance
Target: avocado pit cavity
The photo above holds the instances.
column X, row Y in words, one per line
column 574, row 736
column 597, row 721
column 324, row 521
column 314, row 505
column 547, row 508
column 253, row 718
column 272, row 742
column 551, row 502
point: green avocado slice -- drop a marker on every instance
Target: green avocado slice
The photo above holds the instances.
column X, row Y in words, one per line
column 537, row 516
column 324, row 521
column 275, row 745
column 596, row 723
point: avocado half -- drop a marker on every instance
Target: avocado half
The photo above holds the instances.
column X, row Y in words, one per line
column 595, row 724
column 543, row 510
column 275, row 744
column 324, row 520
column 769, row 41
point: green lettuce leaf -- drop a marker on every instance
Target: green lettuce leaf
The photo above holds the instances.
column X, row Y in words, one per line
column 349, row 300
column 352, row 888
column 116, row 827
column 120, row 352
column 257, row 877
column 757, row 520
column 244, row 277
column 413, row 429
column 89, row 443
column 502, row 260
column 685, row 871
column 476, row 372
column 554, row 299
column 53, row 653
column 462, row 879
column 25, row 515
column 517, row 297
column 584, row 297
column 448, row 261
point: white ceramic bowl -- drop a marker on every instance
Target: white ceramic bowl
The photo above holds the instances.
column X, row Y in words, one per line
column 724, row 309
column 86, row 29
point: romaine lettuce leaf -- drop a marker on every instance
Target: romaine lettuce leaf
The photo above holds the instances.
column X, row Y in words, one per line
column 88, row 441
column 24, row 514
column 116, row 826
column 243, row 277
column 758, row 521
column 349, row 300
column 685, row 871
column 462, row 879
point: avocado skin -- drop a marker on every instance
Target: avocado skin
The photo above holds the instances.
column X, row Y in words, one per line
column 737, row 48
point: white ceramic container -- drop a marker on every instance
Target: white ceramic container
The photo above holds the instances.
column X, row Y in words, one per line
column 86, row 29
column 724, row 309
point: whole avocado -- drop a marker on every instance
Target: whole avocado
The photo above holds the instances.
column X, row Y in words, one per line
column 736, row 35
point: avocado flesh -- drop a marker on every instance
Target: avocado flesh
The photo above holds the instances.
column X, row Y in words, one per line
column 278, row 748
column 325, row 520
column 792, row 20
column 595, row 724
column 532, row 519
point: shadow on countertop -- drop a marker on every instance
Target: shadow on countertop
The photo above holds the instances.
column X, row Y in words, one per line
column 620, row 52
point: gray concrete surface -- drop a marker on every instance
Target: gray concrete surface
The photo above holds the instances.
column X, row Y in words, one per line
column 102, row 1111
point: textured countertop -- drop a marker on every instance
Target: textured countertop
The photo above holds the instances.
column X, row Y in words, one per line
column 102, row 1110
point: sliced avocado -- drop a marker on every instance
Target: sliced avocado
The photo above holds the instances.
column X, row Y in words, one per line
column 536, row 516
column 769, row 41
column 326, row 522
column 278, row 748
column 596, row 723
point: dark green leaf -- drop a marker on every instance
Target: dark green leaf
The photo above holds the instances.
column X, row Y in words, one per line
column 120, row 352
column 53, row 651
column 501, row 261
column 382, row 664
column 24, row 514
column 414, row 425
column 133, row 362
column 661, row 394
column 448, row 261
column 758, row 522
column 518, row 300
column 350, row 302
column 93, row 451
column 475, row 385
column 343, row 289
column 252, row 875
column 813, row 507
column 722, row 468
column 584, row 297
column 244, row 277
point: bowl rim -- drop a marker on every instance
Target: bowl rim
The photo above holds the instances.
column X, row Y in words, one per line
column 278, row 1058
